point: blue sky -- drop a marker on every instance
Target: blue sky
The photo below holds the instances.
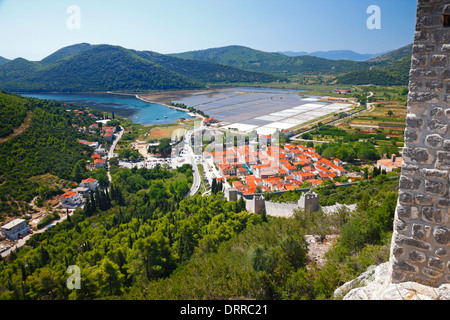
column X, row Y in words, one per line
column 34, row 29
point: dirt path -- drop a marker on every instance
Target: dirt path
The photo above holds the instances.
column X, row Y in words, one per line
column 24, row 126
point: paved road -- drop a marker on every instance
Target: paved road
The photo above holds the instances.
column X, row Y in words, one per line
column 190, row 158
column 21, row 242
column 111, row 153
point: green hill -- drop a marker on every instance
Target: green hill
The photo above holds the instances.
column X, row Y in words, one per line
column 389, row 69
column 65, row 52
column 3, row 60
column 255, row 60
column 48, row 146
column 90, row 68
column 393, row 56
column 18, row 68
column 100, row 68
column 205, row 71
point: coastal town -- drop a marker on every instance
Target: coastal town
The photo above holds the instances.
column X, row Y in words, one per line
column 249, row 168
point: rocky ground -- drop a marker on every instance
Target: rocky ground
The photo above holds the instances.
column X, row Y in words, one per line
column 318, row 248
column 374, row 284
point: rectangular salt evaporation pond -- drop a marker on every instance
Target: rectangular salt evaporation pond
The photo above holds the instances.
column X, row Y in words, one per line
column 310, row 106
column 265, row 131
column 294, row 121
column 240, row 127
column 204, row 99
column 255, row 122
column 285, row 113
column 269, row 118
column 279, row 125
column 311, row 99
column 338, row 106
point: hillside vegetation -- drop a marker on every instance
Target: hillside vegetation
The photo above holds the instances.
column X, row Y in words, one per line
column 148, row 243
column 388, row 69
column 93, row 68
column 48, row 146
column 250, row 59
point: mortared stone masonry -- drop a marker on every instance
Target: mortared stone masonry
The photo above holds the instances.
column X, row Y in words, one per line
column 420, row 248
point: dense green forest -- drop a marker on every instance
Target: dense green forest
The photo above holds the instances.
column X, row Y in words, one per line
column 90, row 68
column 101, row 68
column 48, row 146
column 251, row 59
column 12, row 113
column 93, row 68
column 206, row 72
column 389, row 69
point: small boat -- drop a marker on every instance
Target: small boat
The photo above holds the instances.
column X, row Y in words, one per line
column 165, row 116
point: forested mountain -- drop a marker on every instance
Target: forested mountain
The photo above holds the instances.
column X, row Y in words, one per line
column 65, row 52
column 394, row 55
column 90, row 68
column 204, row 71
column 100, row 68
column 333, row 55
column 250, row 59
column 388, row 69
column 18, row 68
column 3, row 60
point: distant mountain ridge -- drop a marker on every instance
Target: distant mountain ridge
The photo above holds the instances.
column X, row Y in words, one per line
column 92, row 68
column 270, row 62
column 334, row 55
column 391, row 68
column 3, row 60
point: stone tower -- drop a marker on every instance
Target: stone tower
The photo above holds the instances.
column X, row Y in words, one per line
column 309, row 201
column 420, row 249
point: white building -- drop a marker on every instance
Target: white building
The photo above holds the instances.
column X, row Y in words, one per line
column 83, row 191
column 99, row 163
column 89, row 183
column 14, row 229
column 71, row 199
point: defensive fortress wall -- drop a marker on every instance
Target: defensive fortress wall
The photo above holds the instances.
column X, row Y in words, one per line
column 420, row 248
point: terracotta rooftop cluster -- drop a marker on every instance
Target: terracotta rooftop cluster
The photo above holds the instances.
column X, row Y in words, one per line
column 275, row 168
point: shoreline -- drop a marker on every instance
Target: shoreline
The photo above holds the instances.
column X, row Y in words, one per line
column 134, row 95
column 171, row 107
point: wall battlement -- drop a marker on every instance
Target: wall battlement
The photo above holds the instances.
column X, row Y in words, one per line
column 420, row 248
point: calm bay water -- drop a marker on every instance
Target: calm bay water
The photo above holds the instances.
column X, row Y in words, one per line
column 124, row 105
column 133, row 108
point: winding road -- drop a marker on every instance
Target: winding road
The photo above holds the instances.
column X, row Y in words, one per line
column 191, row 160
column 111, row 153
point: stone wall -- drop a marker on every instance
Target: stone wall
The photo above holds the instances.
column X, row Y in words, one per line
column 281, row 209
column 420, row 248
column 308, row 201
